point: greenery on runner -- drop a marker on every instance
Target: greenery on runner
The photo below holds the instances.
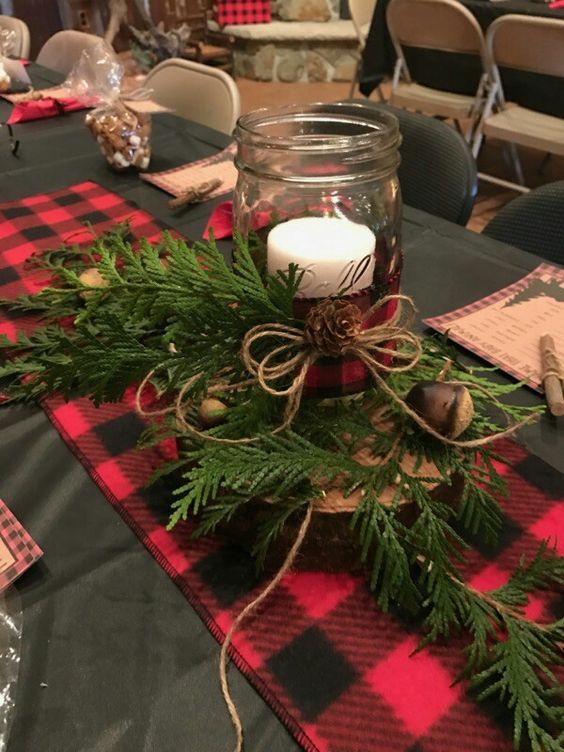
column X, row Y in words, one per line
column 179, row 314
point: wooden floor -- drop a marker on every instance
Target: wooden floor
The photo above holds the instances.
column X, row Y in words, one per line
column 255, row 94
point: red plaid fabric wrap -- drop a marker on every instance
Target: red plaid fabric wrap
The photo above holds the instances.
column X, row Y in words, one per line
column 339, row 377
column 228, row 12
column 339, row 673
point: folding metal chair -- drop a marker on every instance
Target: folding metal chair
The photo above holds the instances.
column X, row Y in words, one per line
column 196, row 92
column 61, row 51
column 21, row 40
column 446, row 26
column 532, row 44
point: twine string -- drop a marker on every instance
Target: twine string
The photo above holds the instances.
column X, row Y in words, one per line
column 249, row 608
column 422, row 423
column 294, row 356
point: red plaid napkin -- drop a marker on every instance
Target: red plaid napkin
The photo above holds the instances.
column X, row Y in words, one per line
column 221, row 221
column 43, row 108
column 339, row 673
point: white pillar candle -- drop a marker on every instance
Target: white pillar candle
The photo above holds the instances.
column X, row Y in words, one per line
column 334, row 253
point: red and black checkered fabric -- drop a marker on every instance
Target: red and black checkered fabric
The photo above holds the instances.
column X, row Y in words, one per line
column 44, row 221
column 229, row 12
column 337, row 671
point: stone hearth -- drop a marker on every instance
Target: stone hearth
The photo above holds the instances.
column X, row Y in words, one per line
column 306, row 41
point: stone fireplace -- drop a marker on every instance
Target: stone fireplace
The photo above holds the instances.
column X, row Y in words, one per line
column 305, row 10
column 305, row 41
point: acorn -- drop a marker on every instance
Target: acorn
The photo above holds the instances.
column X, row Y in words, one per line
column 448, row 408
column 91, row 278
column 212, row 412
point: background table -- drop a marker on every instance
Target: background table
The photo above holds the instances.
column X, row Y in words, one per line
column 127, row 664
column 459, row 72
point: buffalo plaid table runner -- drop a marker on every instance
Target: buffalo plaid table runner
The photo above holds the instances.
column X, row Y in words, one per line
column 337, row 671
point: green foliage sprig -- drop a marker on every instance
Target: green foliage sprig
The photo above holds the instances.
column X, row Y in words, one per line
column 182, row 312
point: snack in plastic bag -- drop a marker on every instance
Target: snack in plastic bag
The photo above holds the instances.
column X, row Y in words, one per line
column 7, row 42
column 123, row 135
column 13, row 75
column 7, row 39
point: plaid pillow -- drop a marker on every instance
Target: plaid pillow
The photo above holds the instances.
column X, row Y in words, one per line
column 242, row 12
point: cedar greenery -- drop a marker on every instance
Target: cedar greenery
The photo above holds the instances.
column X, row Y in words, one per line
column 171, row 294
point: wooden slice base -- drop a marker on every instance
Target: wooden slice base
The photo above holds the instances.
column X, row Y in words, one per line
column 330, row 545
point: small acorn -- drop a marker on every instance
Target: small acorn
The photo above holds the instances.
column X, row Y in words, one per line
column 91, row 278
column 212, row 412
column 448, row 408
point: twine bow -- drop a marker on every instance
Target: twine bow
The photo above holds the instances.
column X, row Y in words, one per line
column 295, row 356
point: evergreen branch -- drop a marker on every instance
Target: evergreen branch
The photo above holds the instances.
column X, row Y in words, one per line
column 220, row 513
column 519, row 674
column 382, row 545
column 510, row 656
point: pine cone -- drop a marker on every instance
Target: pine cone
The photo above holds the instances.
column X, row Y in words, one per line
column 332, row 325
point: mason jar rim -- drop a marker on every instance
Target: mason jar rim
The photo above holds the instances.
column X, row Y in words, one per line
column 382, row 127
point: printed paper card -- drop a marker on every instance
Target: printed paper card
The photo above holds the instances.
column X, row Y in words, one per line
column 18, row 550
column 505, row 328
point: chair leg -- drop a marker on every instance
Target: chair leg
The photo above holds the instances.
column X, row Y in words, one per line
column 356, row 78
column 477, row 136
column 503, row 183
column 476, row 110
column 545, row 161
column 517, row 164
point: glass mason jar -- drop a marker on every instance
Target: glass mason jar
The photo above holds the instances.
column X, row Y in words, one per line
column 317, row 187
column 321, row 160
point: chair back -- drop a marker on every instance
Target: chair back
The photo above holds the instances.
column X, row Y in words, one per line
column 361, row 14
column 196, row 92
column 527, row 43
column 533, row 222
column 444, row 25
column 437, row 172
column 61, row 51
column 21, row 31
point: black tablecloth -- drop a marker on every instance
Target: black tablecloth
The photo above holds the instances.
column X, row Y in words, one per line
column 127, row 664
column 460, row 73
